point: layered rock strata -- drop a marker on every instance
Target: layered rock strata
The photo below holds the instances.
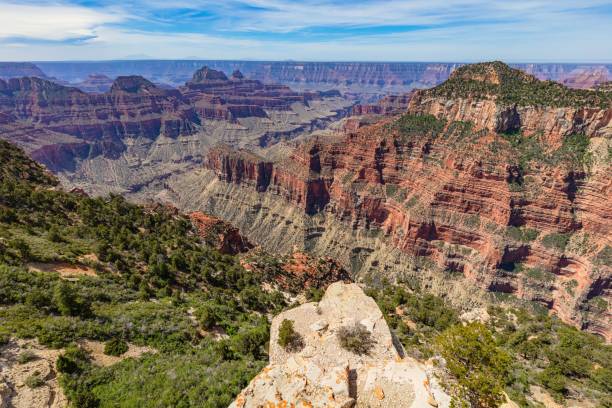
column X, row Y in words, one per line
column 444, row 187
column 62, row 126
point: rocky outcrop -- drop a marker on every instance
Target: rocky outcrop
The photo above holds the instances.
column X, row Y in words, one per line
column 291, row 180
column 324, row 374
column 220, row 234
column 217, row 97
column 455, row 192
column 389, row 105
column 497, row 98
column 15, row 374
column 587, row 78
column 296, row 271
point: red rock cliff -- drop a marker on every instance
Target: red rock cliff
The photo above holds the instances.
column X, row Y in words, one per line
column 522, row 217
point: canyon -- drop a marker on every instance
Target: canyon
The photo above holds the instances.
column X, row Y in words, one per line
column 489, row 187
column 152, row 130
column 476, row 196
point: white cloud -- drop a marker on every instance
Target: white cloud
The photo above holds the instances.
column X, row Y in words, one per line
column 52, row 22
column 521, row 30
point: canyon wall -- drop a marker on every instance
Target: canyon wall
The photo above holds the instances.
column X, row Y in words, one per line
column 446, row 194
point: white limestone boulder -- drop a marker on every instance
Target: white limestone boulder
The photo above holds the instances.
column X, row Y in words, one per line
column 323, row 374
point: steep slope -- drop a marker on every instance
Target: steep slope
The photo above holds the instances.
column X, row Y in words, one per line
column 498, row 98
column 90, row 282
column 493, row 181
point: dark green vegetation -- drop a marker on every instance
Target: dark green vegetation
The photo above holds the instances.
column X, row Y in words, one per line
column 522, row 234
column 356, row 339
column 556, row 241
column 474, row 359
column 513, row 87
column 35, row 380
column 517, row 348
column 410, row 126
column 288, row 338
column 152, row 271
column 573, row 153
column 115, row 347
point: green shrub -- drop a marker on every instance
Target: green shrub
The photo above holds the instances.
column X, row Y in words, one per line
column 472, row 221
column 74, row 360
column 54, row 235
column 556, row 241
column 604, row 257
column 314, row 294
column 68, row 302
column 522, row 234
column 115, row 347
column 35, row 380
column 480, row 367
column 574, row 150
column 411, row 126
column 539, row 275
column 288, row 338
column 356, row 339
column 553, row 380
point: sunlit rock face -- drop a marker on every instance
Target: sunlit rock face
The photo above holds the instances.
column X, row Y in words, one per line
column 323, row 373
column 449, row 192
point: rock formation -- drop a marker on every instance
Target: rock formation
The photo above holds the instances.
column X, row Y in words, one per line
column 528, row 216
column 216, row 96
column 497, row 98
column 296, row 271
column 15, row 374
column 389, row 105
column 321, row 373
column 220, row 234
column 60, row 125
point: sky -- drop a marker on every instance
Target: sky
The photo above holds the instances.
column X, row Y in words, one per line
column 308, row 30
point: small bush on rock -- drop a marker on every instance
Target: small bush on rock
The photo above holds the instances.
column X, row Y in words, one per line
column 35, row 380
column 288, row 338
column 356, row 339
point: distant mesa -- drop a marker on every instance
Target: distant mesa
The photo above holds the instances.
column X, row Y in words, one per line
column 20, row 69
column 237, row 75
column 95, row 83
column 205, row 74
column 132, row 84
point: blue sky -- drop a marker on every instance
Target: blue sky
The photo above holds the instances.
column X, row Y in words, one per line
column 365, row 30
